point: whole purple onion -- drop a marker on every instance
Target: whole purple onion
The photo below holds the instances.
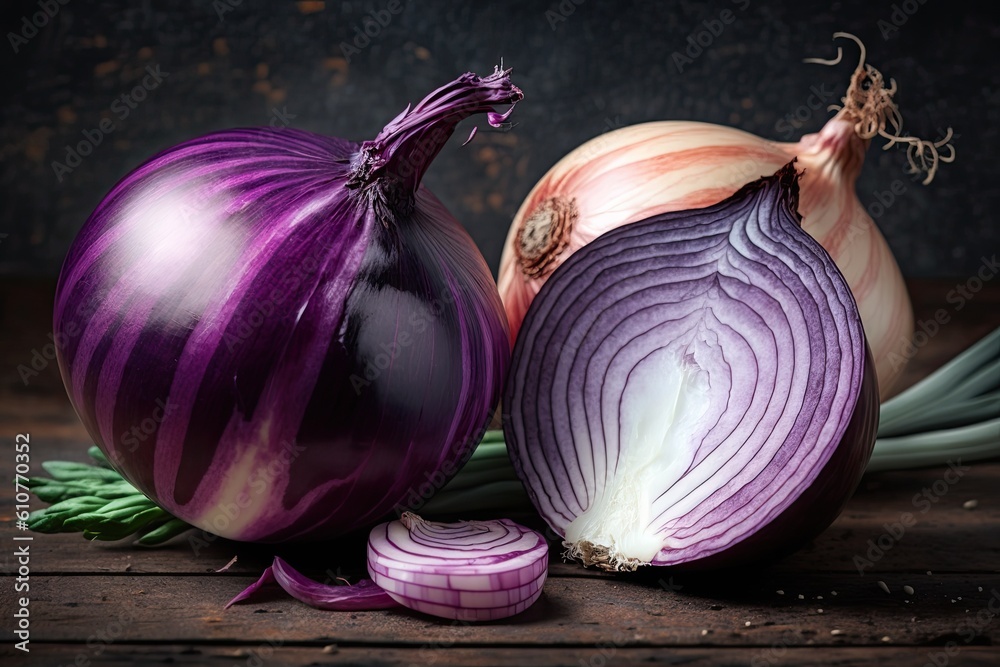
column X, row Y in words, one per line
column 277, row 335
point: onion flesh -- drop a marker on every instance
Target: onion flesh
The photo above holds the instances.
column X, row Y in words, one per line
column 693, row 389
column 467, row 571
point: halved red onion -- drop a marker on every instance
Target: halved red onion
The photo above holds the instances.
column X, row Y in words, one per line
column 693, row 389
column 468, row 571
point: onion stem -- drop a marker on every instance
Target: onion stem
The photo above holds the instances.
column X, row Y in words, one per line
column 406, row 146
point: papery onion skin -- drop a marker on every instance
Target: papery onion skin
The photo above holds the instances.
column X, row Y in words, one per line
column 738, row 301
column 635, row 172
column 362, row 596
column 277, row 335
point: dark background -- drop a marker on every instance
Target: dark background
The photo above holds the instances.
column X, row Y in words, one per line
column 237, row 63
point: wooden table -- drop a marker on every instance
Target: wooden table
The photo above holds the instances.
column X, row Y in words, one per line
column 97, row 603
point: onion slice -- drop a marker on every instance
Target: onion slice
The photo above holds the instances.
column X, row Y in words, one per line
column 693, row 389
column 467, row 571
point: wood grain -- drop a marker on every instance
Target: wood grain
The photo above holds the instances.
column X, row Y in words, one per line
column 571, row 612
column 275, row 653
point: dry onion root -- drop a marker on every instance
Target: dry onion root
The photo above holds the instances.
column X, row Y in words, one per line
column 871, row 104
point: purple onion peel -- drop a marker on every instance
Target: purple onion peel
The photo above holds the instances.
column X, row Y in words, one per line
column 277, row 335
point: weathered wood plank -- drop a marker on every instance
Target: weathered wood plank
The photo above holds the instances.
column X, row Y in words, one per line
column 44, row 655
column 572, row 612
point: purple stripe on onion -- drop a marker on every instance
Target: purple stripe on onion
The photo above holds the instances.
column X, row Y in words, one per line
column 276, row 335
column 694, row 388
